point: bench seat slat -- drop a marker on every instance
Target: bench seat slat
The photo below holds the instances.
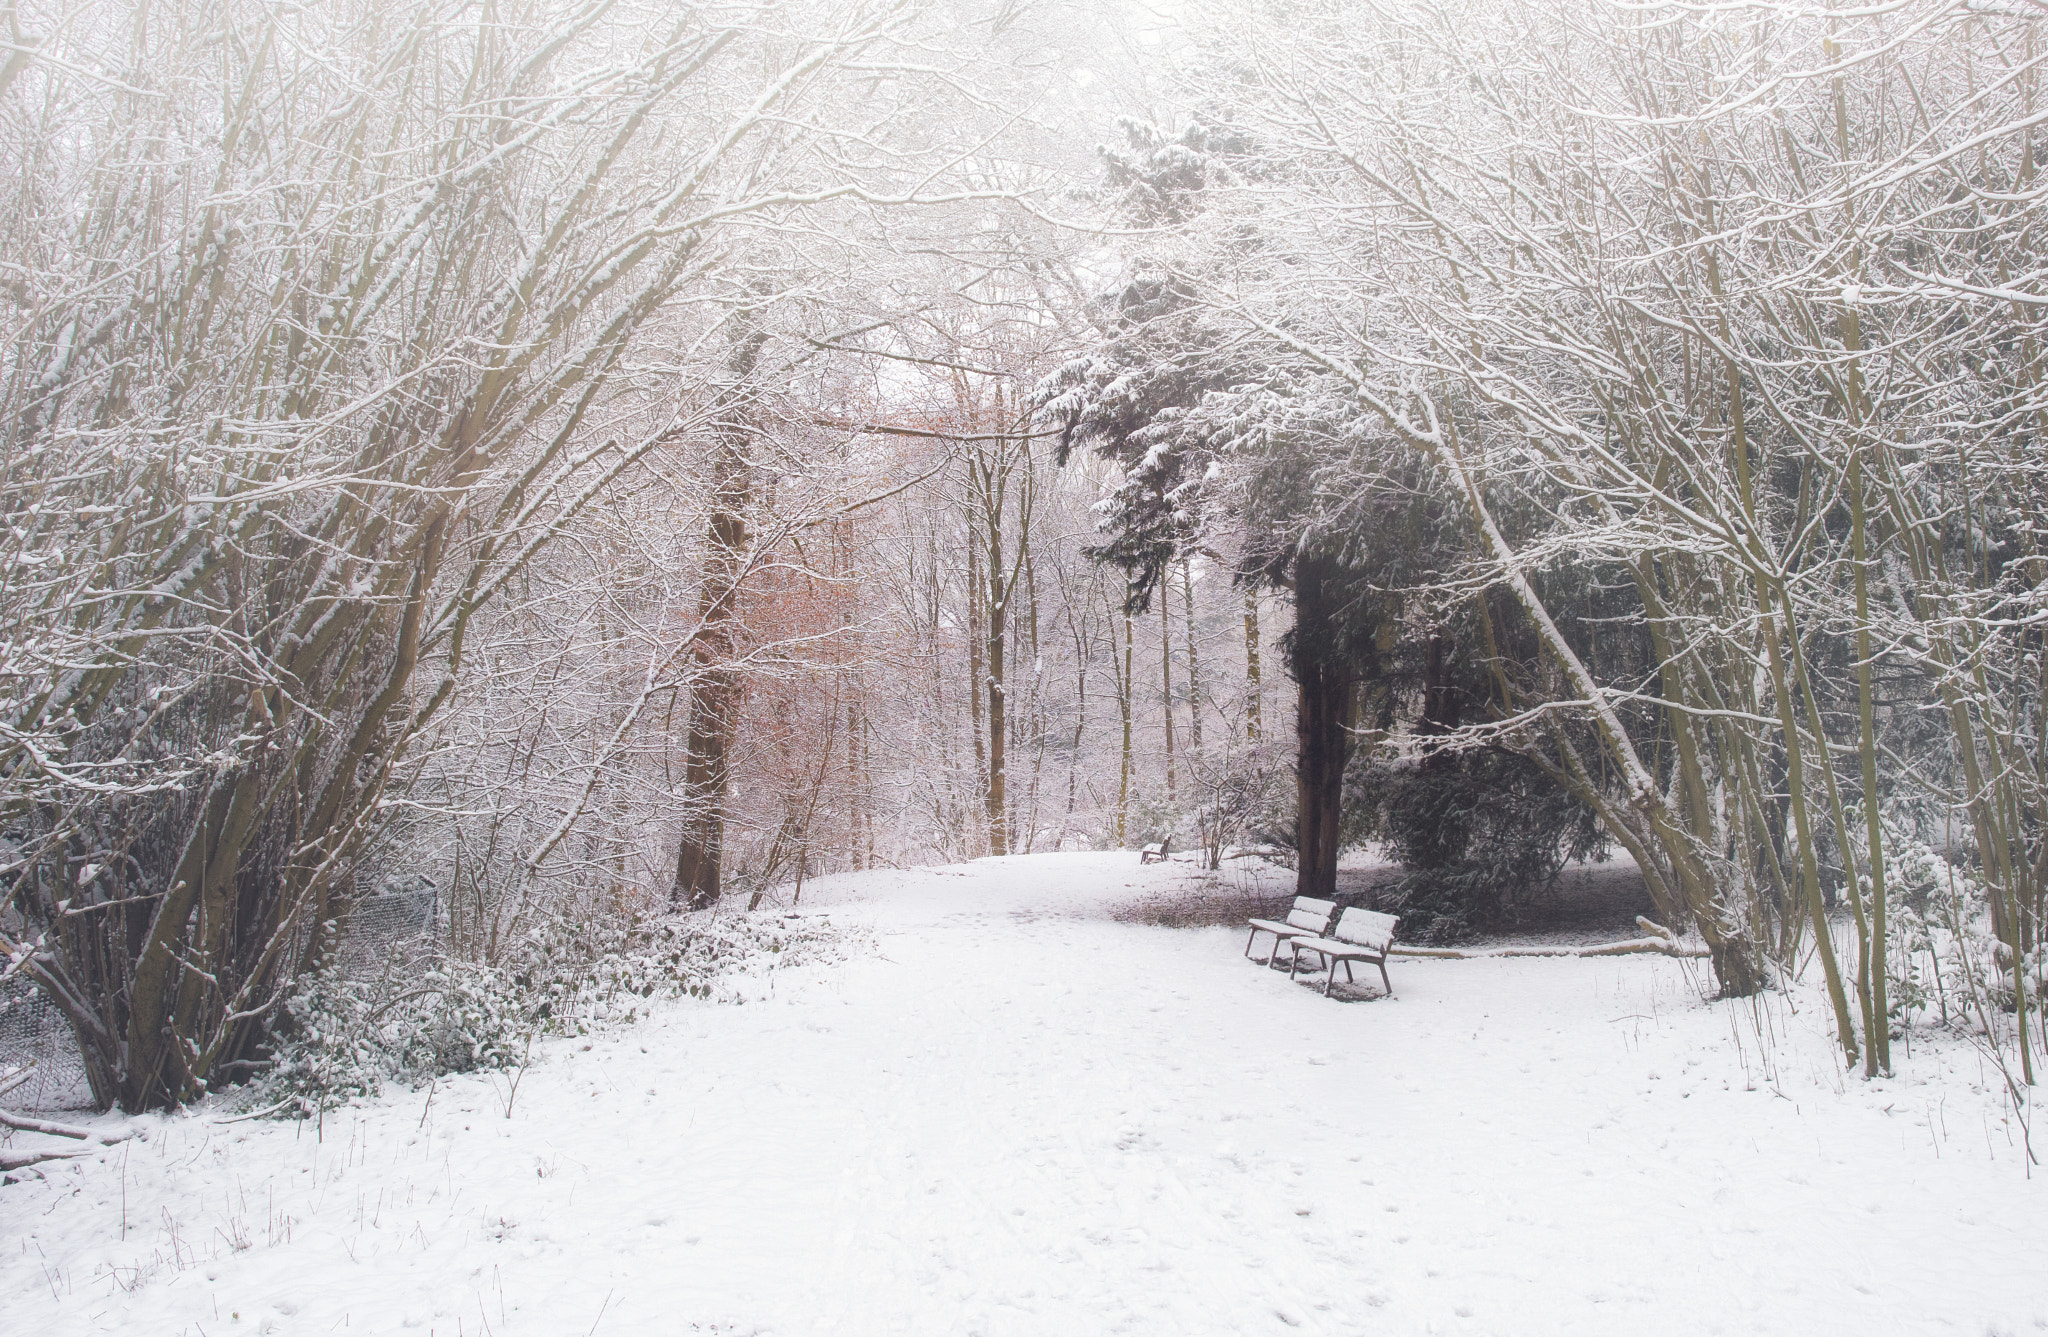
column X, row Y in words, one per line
column 1337, row 947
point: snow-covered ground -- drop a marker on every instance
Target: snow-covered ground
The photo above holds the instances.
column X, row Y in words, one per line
column 1023, row 1116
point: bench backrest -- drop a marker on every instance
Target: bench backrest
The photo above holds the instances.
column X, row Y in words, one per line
column 1311, row 914
column 1368, row 928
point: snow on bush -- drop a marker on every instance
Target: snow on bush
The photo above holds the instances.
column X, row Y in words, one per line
column 1946, row 961
column 341, row 1037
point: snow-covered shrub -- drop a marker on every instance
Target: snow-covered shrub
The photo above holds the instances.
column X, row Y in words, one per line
column 1479, row 833
column 1946, row 965
column 339, row 1038
column 608, row 971
column 342, row 1037
column 1247, row 797
column 1152, row 817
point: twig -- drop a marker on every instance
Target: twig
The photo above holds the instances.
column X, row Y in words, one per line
column 17, row 1077
column 525, row 1057
column 258, row 1114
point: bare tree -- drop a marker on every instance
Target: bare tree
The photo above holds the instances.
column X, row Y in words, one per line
column 318, row 338
column 1675, row 297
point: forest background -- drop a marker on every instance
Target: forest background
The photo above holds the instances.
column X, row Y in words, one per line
column 600, row 461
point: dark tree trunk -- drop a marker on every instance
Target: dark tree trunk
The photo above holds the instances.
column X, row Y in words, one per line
column 1327, row 680
column 1322, row 720
column 996, row 627
column 1166, row 684
column 1738, row 967
column 716, row 692
column 706, row 780
column 1252, row 685
column 1442, row 701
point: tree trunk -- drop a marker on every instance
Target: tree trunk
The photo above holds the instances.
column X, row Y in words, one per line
column 1327, row 694
column 1123, row 701
column 976, row 675
column 1024, row 826
column 1326, row 705
column 1187, row 589
column 996, row 624
column 1082, row 660
column 857, row 814
column 996, row 806
column 1252, row 686
column 716, row 691
column 1166, row 684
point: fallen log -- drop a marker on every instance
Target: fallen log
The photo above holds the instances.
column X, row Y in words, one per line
column 21, row 1123
column 21, row 1160
column 1660, row 941
column 93, row 1138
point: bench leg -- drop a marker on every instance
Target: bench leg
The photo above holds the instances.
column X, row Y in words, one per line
column 1249, row 939
column 1384, row 980
column 1331, row 978
column 1293, row 956
column 1349, row 978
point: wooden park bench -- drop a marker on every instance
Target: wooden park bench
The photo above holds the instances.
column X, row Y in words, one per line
column 1309, row 918
column 1361, row 935
column 1156, row 852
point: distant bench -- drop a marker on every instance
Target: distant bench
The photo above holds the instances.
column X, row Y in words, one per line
column 1156, row 852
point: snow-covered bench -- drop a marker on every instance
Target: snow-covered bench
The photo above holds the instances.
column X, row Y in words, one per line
column 1309, row 918
column 1156, row 852
column 1361, row 935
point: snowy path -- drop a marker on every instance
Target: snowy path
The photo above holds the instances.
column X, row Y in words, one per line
column 1026, row 1118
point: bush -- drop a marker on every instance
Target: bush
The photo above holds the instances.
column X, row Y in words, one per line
column 1946, row 964
column 339, row 1039
column 342, row 1037
column 1478, row 832
column 1248, row 796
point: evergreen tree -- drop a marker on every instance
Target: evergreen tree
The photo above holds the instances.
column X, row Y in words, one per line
column 1216, row 432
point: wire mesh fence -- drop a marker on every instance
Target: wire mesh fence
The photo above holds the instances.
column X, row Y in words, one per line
column 34, row 1033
